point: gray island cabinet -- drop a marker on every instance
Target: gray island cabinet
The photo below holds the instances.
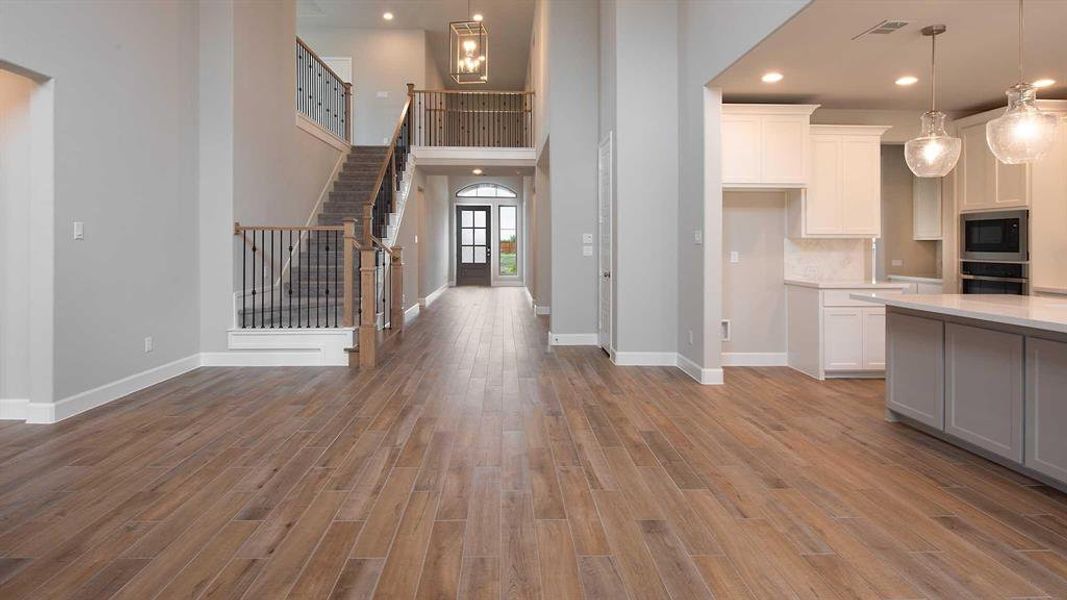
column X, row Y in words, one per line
column 988, row 373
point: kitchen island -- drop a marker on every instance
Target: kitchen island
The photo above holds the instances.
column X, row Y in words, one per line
column 988, row 373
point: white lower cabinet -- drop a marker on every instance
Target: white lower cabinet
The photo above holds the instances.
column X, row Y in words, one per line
column 874, row 338
column 1046, row 407
column 984, row 388
column 916, row 347
column 842, row 339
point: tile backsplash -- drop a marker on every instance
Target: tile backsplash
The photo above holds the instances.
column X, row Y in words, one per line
column 827, row 260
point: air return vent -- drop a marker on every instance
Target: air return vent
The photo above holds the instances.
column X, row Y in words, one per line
column 884, row 28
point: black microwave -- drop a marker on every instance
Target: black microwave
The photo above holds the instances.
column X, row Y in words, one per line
column 995, row 236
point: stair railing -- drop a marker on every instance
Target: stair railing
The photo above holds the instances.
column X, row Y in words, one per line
column 321, row 95
column 482, row 118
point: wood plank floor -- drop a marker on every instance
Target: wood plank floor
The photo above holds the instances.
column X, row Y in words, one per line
column 477, row 464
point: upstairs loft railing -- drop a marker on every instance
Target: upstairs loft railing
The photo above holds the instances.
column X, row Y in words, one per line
column 321, row 95
column 493, row 119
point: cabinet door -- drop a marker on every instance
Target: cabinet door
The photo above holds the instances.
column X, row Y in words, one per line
column 822, row 204
column 1013, row 185
column 915, row 368
column 979, row 170
column 861, row 185
column 740, row 149
column 926, row 208
column 874, row 338
column 984, row 388
column 842, row 339
column 1046, row 407
column 784, row 139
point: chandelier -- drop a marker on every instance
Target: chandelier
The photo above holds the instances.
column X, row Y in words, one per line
column 468, row 43
column 934, row 153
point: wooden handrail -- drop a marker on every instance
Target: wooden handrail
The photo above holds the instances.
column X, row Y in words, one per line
column 501, row 92
column 392, row 145
column 381, row 244
column 319, row 58
column 238, row 228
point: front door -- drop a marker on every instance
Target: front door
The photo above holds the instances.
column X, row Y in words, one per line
column 473, row 249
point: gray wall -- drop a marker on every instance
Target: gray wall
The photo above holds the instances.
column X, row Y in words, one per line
column 434, row 247
column 125, row 163
column 712, row 35
column 383, row 60
column 753, row 289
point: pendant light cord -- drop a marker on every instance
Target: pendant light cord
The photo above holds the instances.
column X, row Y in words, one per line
column 933, row 73
column 1021, row 79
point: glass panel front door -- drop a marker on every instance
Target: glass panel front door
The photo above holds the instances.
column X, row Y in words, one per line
column 472, row 245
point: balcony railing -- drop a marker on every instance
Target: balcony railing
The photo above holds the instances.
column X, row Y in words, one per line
column 321, row 95
column 494, row 119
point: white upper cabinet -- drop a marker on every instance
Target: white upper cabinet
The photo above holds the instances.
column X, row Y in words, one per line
column 926, row 208
column 988, row 184
column 844, row 194
column 765, row 145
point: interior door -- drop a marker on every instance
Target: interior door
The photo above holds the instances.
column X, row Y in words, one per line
column 604, row 260
column 473, row 247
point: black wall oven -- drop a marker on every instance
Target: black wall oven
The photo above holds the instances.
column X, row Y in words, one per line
column 995, row 236
column 994, row 278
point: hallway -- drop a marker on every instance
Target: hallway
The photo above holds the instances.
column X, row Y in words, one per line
column 475, row 463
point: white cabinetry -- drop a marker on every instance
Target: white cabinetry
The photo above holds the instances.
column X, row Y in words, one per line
column 844, row 193
column 926, row 208
column 915, row 346
column 765, row 145
column 1046, row 407
column 988, row 184
column 833, row 335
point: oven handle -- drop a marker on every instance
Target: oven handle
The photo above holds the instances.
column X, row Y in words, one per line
column 989, row 278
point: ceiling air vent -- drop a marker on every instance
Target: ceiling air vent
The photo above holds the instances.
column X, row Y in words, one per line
column 884, row 28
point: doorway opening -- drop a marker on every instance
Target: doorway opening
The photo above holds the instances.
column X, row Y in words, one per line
column 473, row 249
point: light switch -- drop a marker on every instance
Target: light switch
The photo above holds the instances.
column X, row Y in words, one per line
column 382, row 94
column 735, row 257
column 897, row 262
column 587, row 250
column 79, row 230
column 587, row 238
column 698, row 237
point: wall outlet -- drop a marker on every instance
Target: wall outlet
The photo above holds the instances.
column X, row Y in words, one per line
column 735, row 256
column 690, row 337
column 148, row 344
column 79, row 230
column 698, row 237
column 587, row 250
column 725, row 333
column 898, row 262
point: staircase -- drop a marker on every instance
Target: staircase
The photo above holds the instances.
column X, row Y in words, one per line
column 309, row 292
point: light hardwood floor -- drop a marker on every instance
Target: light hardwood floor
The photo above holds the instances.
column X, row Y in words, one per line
column 476, row 464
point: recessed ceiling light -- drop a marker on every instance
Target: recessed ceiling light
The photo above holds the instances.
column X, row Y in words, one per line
column 1043, row 83
column 477, row 171
column 907, row 80
column 478, row 17
column 387, row 16
column 772, row 77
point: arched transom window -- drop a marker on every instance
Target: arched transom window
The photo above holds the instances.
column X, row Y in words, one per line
column 486, row 190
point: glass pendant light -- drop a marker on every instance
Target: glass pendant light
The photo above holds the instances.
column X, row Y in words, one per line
column 934, row 153
column 1023, row 134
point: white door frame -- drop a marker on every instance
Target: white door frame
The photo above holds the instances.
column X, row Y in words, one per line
column 605, row 272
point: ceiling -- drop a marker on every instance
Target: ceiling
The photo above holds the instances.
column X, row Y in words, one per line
column 509, row 23
column 977, row 56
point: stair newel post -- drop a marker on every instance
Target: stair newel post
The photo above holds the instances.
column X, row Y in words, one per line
column 348, row 112
column 396, row 294
column 349, row 319
column 368, row 314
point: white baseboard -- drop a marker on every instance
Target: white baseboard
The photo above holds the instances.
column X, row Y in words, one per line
column 703, row 376
column 645, row 359
column 508, row 283
column 573, row 339
column 14, row 409
column 49, row 412
column 411, row 313
column 542, row 310
column 434, row 295
column 754, row 359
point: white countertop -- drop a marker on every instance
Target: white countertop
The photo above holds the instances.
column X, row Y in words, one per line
column 848, row 285
column 916, row 279
column 1047, row 314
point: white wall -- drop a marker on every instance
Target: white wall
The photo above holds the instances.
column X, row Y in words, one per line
column 383, row 60
column 434, row 235
column 753, row 298
column 712, row 35
column 125, row 84
column 15, row 244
